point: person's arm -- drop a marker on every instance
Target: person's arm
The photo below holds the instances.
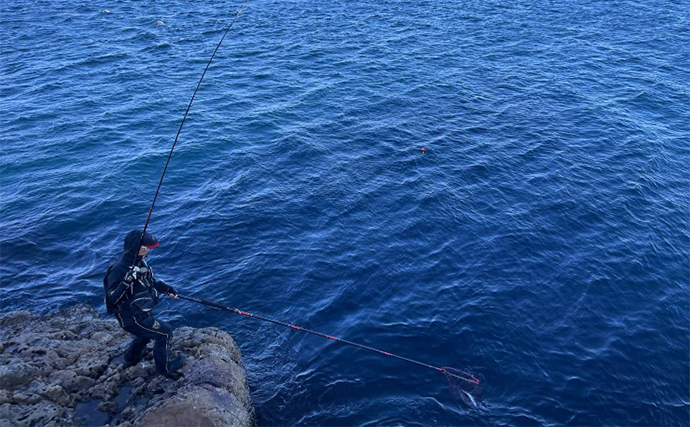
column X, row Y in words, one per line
column 161, row 286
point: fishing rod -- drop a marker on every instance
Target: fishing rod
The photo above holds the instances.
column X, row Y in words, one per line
column 448, row 371
column 184, row 118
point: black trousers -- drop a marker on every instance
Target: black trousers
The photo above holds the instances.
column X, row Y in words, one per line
column 147, row 328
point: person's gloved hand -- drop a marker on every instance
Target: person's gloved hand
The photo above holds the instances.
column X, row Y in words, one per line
column 172, row 292
column 165, row 288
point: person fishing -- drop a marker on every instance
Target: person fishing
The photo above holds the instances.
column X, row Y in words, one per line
column 131, row 292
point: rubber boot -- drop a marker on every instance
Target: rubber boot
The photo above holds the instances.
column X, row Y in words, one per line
column 174, row 366
column 129, row 363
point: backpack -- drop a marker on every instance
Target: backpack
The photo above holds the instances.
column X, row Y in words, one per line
column 109, row 306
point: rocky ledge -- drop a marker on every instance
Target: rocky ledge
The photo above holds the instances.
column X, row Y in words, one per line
column 66, row 369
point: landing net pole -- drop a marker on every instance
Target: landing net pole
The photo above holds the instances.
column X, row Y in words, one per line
column 470, row 378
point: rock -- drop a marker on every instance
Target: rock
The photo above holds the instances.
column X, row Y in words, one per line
column 37, row 414
column 138, row 371
column 197, row 407
column 15, row 374
column 71, row 381
column 14, row 319
column 102, row 337
column 107, row 407
column 91, row 367
column 66, row 369
column 64, row 335
column 25, row 398
column 55, row 393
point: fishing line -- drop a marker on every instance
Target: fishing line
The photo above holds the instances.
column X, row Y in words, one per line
column 184, row 118
column 463, row 384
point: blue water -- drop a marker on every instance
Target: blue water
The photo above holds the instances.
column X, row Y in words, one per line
column 542, row 240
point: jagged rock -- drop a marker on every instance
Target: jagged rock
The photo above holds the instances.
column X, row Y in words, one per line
column 65, row 369
column 16, row 374
column 197, row 407
column 71, row 381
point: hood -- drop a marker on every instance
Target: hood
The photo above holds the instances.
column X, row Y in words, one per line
column 131, row 246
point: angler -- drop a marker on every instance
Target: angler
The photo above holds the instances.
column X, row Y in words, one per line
column 130, row 288
column 131, row 292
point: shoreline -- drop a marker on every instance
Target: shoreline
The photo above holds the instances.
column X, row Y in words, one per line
column 65, row 368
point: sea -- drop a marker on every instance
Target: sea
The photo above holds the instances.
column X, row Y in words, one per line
column 501, row 187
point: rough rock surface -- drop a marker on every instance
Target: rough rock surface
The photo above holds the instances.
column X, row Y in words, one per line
column 66, row 369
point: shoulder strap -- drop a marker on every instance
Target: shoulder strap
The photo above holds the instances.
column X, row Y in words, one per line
column 108, row 305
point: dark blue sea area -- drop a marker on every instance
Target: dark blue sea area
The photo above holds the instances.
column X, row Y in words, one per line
column 541, row 240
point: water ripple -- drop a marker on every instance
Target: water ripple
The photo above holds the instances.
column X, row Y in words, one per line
column 541, row 239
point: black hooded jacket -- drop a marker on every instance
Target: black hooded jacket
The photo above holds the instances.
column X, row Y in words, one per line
column 133, row 293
